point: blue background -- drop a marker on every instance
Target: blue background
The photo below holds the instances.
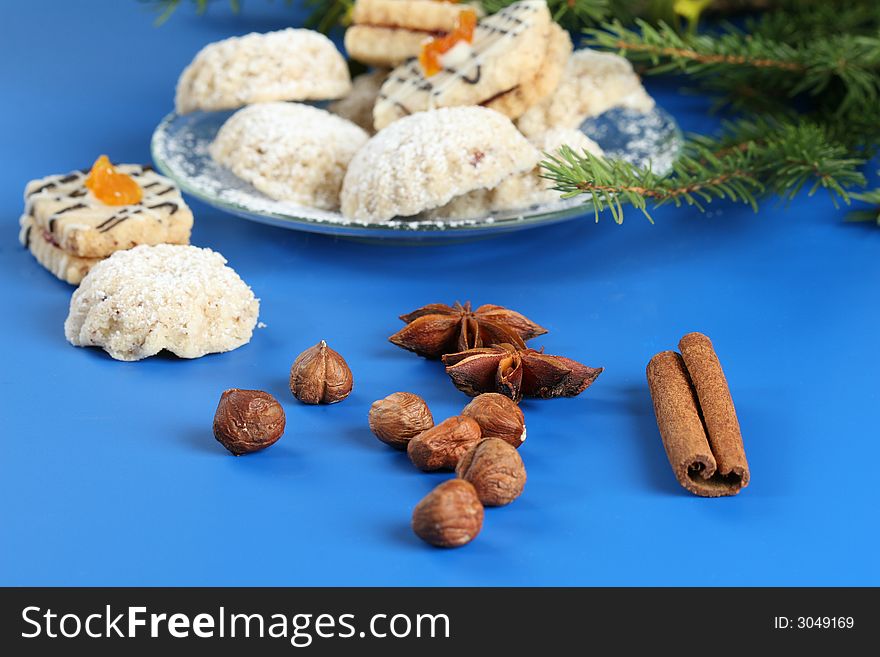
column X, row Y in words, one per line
column 110, row 473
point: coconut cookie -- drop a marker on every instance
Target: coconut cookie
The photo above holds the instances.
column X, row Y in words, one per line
column 357, row 106
column 289, row 151
column 506, row 50
column 73, row 220
column 521, row 191
column 424, row 160
column 388, row 32
column 291, row 64
column 592, row 83
column 531, row 189
column 184, row 299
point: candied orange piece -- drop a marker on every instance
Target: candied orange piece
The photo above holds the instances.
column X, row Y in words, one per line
column 112, row 187
column 433, row 49
column 467, row 21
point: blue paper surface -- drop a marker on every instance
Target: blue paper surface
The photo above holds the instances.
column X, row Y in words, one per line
column 111, row 476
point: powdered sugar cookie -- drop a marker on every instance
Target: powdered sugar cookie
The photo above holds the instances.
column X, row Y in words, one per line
column 184, row 299
column 291, row 64
column 531, row 188
column 426, row 159
column 357, row 106
column 592, row 83
column 289, row 151
column 520, row 191
column 508, row 49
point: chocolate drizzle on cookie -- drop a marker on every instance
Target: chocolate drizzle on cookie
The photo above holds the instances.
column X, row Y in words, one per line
column 144, row 168
column 404, row 88
column 118, row 218
column 42, row 188
column 173, row 207
column 69, row 208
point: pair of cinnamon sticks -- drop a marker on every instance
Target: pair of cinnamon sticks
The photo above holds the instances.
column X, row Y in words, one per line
column 697, row 420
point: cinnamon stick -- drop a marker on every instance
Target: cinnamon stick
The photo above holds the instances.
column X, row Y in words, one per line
column 686, row 389
column 716, row 405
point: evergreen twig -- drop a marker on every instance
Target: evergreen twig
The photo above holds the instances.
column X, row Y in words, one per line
column 734, row 60
column 751, row 159
column 867, row 214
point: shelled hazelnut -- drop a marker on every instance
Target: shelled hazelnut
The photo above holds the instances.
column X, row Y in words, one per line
column 248, row 420
column 496, row 471
column 399, row 418
column 319, row 375
column 450, row 515
column 441, row 446
column 498, row 417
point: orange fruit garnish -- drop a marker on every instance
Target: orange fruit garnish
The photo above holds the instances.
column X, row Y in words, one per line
column 432, row 50
column 112, row 187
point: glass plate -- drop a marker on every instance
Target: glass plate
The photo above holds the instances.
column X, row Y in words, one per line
column 180, row 151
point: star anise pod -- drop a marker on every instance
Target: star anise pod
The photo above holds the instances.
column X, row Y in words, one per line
column 438, row 329
column 517, row 371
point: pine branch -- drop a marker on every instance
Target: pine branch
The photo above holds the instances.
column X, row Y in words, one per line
column 733, row 60
column 327, row 14
column 798, row 21
column 752, row 159
column 573, row 14
column 867, row 214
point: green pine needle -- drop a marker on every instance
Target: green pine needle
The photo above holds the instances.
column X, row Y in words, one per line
column 750, row 160
column 732, row 59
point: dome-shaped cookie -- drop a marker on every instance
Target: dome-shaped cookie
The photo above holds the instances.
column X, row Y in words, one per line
column 357, row 106
column 291, row 64
column 522, row 191
column 289, row 151
column 592, row 83
column 184, row 299
column 425, row 159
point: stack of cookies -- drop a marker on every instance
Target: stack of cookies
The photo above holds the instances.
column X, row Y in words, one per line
column 69, row 229
column 386, row 33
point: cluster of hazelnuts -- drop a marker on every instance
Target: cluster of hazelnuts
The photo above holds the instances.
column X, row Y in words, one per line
column 480, row 445
column 250, row 420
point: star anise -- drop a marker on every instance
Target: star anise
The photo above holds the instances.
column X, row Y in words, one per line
column 438, row 329
column 517, row 371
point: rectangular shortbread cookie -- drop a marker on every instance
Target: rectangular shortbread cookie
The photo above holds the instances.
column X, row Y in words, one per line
column 72, row 219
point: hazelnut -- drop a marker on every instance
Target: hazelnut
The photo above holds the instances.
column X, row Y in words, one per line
column 444, row 444
column 498, row 417
column 320, row 376
column 450, row 515
column 495, row 469
column 248, row 420
column 399, row 417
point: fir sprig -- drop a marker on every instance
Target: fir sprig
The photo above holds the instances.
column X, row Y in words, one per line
column 571, row 14
column 867, row 214
column 751, row 159
column 733, row 60
column 327, row 14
